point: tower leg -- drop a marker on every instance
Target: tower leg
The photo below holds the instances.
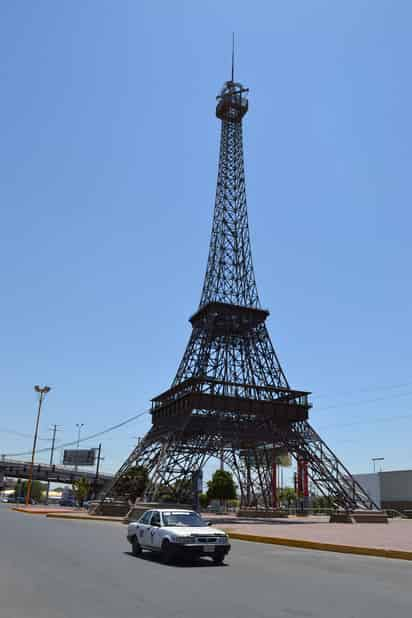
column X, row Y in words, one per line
column 324, row 469
column 305, row 486
column 302, row 485
column 299, row 477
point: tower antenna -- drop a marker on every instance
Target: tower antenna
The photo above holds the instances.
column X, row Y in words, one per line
column 233, row 56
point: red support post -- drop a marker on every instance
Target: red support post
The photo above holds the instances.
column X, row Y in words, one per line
column 300, row 478
column 305, row 480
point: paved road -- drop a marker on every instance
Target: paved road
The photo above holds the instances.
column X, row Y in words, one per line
column 64, row 569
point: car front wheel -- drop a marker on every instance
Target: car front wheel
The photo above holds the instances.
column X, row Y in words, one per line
column 218, row 558
column 167, row 552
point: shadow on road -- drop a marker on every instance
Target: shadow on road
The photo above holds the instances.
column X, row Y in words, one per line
column 149, row 556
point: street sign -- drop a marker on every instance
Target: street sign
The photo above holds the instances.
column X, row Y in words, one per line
column 79, row 457
column 263, row 455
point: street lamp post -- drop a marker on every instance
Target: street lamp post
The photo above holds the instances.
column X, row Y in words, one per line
column 42, row 393
column 79, row 428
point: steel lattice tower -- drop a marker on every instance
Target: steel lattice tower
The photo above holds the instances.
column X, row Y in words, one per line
column 230, row 397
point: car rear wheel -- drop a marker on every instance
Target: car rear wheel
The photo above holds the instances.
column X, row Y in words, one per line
column 136, row 548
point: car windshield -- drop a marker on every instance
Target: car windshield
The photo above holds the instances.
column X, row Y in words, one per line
column 182, row 519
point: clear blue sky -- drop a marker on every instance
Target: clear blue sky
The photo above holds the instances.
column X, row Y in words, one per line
column 108, row 162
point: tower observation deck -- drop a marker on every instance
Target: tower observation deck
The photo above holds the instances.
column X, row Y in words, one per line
column 232, row 103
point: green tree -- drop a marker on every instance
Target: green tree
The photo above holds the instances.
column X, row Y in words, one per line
column 284, row 460
column 322, row 503
column 36, row 492
column 287, row 495
column 133, row 484
column 222, row 486
column 180, row 492
column 18, row 489
column 81, row 489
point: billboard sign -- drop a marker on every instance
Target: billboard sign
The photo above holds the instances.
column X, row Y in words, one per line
column 263, row 456
column 79, row 457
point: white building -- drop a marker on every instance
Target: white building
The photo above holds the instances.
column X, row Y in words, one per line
column 390, row 490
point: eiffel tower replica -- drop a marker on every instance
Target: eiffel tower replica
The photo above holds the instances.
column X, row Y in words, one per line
column 230, row 399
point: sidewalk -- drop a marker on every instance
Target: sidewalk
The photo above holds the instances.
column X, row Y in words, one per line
column 316, row 532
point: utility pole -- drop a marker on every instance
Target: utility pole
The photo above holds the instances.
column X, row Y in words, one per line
column 51, row 460
column 42, row 393
column 79, row 428
column 96, row 478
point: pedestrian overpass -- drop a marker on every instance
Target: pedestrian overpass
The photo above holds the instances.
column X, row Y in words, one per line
column 49, row 473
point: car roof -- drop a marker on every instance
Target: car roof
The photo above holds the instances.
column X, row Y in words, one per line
column 173, row 510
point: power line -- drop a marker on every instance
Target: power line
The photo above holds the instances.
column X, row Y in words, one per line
column 360, row 402
column 90, row 437
column 16, row 433
column 20, row 434
column 382, row 419
column 368, row 389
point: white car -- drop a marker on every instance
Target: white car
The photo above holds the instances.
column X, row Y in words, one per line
column 177, row 532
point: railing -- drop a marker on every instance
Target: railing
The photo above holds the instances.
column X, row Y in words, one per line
column 393, row 513
column 233, row 389
column 305, row 511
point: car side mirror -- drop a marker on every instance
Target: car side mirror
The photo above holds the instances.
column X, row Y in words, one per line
column 207, row 523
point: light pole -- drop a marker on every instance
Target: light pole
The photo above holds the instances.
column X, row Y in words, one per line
column 375, row 459
column 42, row 393
column 79, row 428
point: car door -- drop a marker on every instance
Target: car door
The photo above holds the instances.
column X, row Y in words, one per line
column 142, row 529
column 154, row 531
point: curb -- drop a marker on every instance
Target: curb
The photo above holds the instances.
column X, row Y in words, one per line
column 37, row 512
column 31, row 511
column 342, row 549
column 25, row 511
column 84, row 517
